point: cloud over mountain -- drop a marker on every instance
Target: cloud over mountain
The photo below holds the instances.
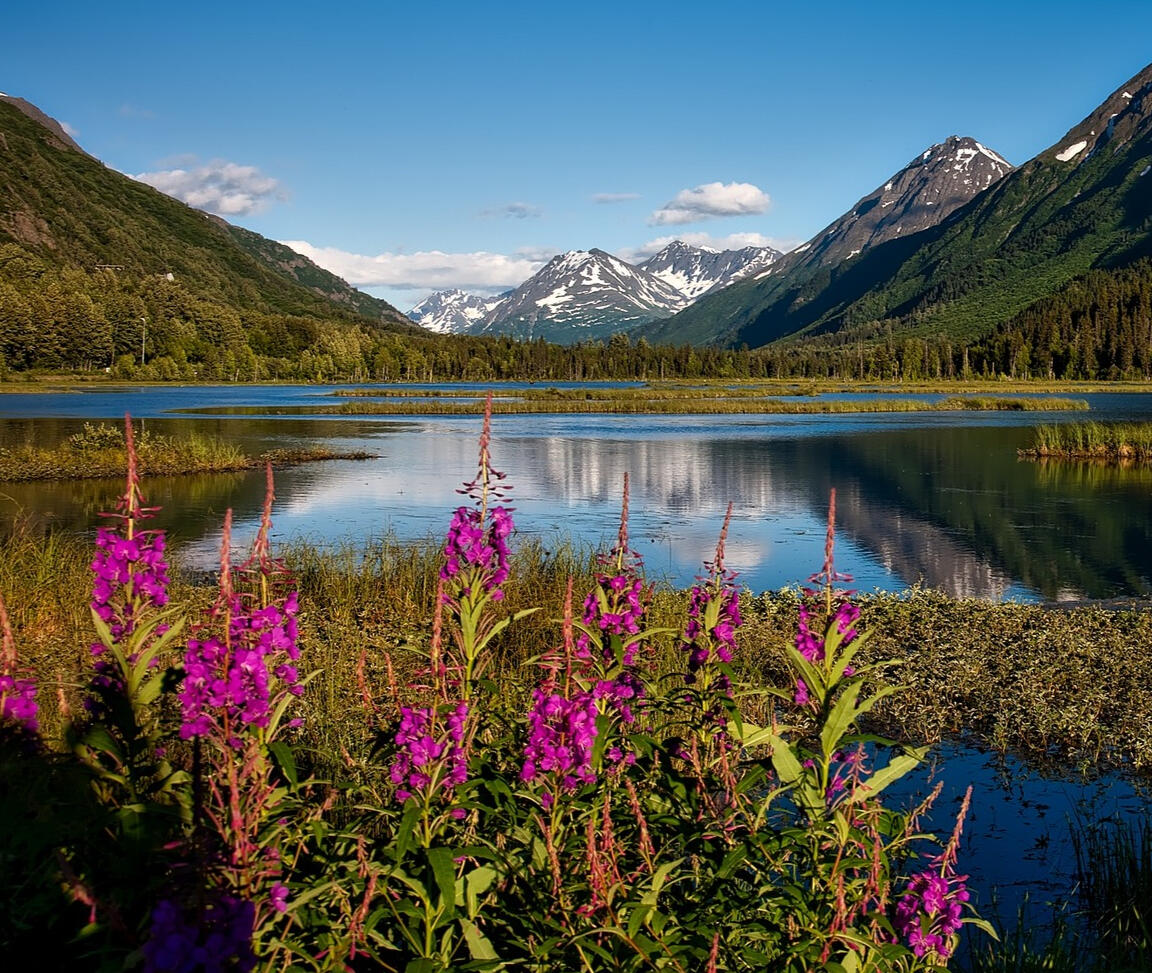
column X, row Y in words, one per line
column 424, row 270
column 218, row 186
column 711, row 200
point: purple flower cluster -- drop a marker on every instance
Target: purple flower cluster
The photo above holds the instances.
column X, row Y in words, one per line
column 810, row 643
column 614, row 607
column 131, row 577
column 561, row 735
column 419, row 747
column 701, row 640
column 234, row 677
column 218, row 939
column 18, row 702
column 474, row 545
column 927, row 916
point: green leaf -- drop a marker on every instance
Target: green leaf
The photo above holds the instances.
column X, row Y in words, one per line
column 840, row 719
column 476, row 883
column 444, row 871
column 285, row 760
column 897, row 767
column 478, row 945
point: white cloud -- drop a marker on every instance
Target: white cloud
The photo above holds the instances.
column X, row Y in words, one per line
column 515, row 211
column 733, row 241
column 428, row 270
column 711, row 200
column 70, row 130
column 614, row 197
column 218, row 186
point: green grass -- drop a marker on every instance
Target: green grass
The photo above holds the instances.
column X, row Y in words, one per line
column 1112, row 442
column 98, row 451
column 710, row 400
column 1052, row 685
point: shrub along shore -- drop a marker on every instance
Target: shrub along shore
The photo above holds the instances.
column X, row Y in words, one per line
column 98, row 451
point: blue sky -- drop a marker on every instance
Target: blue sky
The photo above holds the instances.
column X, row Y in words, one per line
column 414, row 146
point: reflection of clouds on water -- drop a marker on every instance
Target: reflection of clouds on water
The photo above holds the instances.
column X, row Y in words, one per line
column 948, row 505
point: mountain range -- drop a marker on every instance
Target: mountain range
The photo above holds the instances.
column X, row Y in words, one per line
column 1083, row 204
column 589, row 294
column 92, row 208
column 1044, row 268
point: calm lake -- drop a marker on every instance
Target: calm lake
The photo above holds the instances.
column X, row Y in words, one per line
column 936, row 498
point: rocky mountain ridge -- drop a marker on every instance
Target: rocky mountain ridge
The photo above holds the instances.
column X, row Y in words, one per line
column 586, row 294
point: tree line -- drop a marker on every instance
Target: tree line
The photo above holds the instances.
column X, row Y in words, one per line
column 149, row 327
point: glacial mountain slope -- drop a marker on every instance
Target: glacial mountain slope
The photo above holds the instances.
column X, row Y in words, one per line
column 66, row 209
column 579, row 296
column 453, row 311
column 696, row 271
column 1084, row 203
column 922, row 195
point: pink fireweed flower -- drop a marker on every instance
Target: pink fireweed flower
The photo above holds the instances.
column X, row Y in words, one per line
column 561, row 737
column 706, row 638
column 428, row 753
column 129, row 569
column 474, row 545
column 235, row 677
column 17, row 693
column 476, row 549
column 927, row 916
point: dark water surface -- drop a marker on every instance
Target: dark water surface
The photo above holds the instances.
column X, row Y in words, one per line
column 938, row 498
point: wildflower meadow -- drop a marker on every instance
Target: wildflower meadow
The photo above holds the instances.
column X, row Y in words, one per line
column 595, row 810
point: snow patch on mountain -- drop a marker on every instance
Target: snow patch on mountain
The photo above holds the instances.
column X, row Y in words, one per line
column 1072, row 151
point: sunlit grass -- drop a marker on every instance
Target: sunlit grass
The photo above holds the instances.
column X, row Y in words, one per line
column 98, row 451
column 1113, row 442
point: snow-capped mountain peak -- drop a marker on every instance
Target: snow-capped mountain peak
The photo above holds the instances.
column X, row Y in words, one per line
column 696, row 271
column 452, row 311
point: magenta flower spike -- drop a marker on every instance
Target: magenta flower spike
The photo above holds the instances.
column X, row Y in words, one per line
column 713, row 615
column 476, row 549
column 129, row 569
column 233, row 678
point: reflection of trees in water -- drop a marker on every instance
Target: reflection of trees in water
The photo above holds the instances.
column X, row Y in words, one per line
column 188, row 503
column 1060, row 537
column 951, row 506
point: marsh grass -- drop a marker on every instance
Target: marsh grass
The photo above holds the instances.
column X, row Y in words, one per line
column 1114, row 874
column 98, row 451
column 1114, row 442
column 689, row 402
column 1053, row 685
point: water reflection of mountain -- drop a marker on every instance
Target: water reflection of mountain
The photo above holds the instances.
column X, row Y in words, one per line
column 951, row 506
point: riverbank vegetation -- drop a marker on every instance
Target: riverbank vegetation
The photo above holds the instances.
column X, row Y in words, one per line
column 665, row 400
column 1042, row 681
column 1116, row 442
column 98, row 451
column 456, row 756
